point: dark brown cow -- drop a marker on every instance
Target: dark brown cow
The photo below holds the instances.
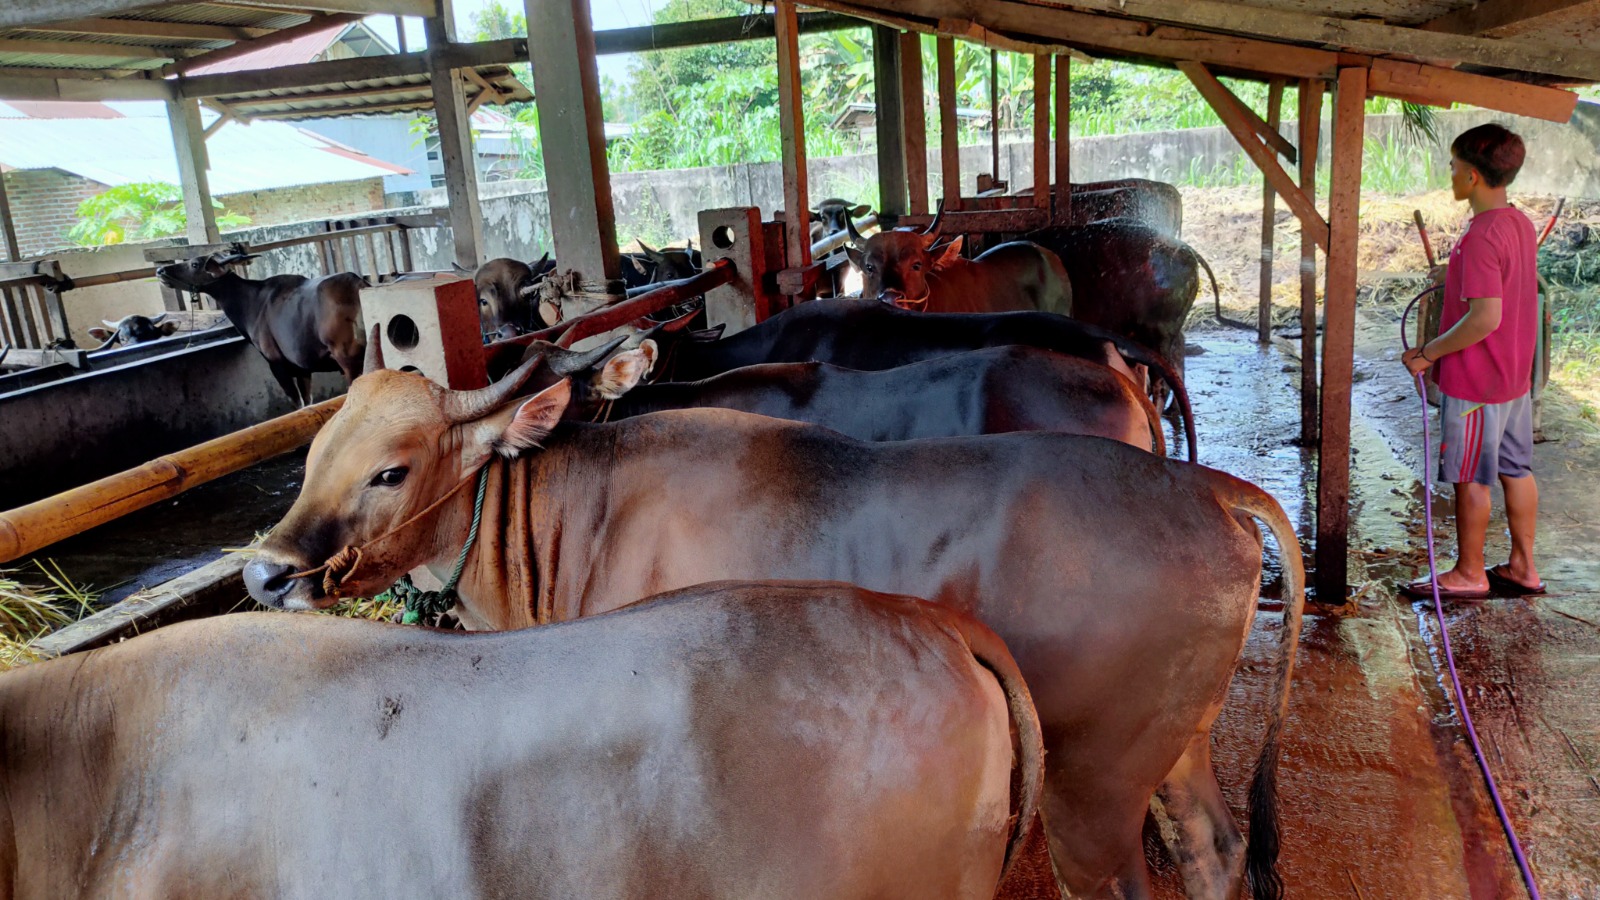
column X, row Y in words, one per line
column 902, row 267
column 1125, row 583
column 727, row 741
column 1154, row 203
column 301, row 325
column 508, row 292
column 988, row 391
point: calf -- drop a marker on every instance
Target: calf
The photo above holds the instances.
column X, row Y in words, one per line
column 301, row 325
column 655, row 266
column 1125, row 583
column 987, row 391
column 867, row 335
column 901, row 267
column 134, row 329
column 725, row 741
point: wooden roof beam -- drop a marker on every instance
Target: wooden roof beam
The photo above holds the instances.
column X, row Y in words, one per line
column 1441, row 87
column 33, row 13
column 1492, row 15
column 88, row 49
column 1233, row 114
column 81, row 89
column 244, row 48
column 1364, row 36
column 145, row 28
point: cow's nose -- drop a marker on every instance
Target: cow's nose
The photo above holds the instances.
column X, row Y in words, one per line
column 268, row 582
column 890, row 295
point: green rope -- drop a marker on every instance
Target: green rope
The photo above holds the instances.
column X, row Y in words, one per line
column 422, row 604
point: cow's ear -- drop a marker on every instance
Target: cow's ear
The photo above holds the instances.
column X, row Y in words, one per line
column 168, row 328
column 522, row 426
column 99, row 334
column 857, row 258
column 623, row 372
column 707, row 335
column 859, row 211
column 950, row 253
column 637, row 265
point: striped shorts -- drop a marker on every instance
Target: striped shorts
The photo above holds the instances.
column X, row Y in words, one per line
column 1480, row 442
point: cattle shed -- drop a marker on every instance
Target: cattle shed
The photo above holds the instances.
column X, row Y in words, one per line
column 1510, row 55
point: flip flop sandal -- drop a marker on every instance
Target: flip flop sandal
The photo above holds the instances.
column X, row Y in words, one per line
column 1423, row 590
column 1508, row 585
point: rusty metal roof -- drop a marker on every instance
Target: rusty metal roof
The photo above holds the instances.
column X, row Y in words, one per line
column 377, row 96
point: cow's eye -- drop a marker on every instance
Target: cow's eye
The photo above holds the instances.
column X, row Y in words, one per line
column 916, row 267
column 869, row 267
column 391, row 477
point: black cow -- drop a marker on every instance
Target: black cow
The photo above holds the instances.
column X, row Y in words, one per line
column 134, row 329
column 655, row 266
column 301, row 325
column 1154, row 203
column 865, row 334
column 832, row 215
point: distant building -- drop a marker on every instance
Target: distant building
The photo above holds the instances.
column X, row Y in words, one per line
column 56, row 155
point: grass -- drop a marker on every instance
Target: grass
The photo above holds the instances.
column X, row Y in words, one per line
column 29, row 612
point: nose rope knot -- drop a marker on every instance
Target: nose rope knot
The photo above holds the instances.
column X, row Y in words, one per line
column 341, row 566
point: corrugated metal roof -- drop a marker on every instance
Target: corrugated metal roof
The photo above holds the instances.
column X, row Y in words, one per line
column 138, row 147
column 302, row 49
column 375, row 96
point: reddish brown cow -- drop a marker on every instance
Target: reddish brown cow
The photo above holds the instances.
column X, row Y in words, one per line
column 728, row 741
column 1124, row 583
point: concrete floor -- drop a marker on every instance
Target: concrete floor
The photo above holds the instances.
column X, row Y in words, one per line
column 1379, row 795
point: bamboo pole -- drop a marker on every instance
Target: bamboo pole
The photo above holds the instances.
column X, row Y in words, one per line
column 39, row 524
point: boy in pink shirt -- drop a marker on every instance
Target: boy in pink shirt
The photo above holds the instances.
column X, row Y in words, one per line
column 1482, row 362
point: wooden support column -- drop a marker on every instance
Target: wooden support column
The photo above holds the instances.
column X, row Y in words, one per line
column 1338, row 337
column 189, row 142
column 8, row 226
column 994, row 116
column 949, row 135
column 1310, row 114
column 792, row 130
column 888, row 93
column 916, row 123
column 1041, row 131
column 572, row 136
column 455, row 146
column 1063, row 214
column 1269, row 215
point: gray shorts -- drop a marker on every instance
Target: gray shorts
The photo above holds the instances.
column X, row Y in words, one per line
column 1481, row 442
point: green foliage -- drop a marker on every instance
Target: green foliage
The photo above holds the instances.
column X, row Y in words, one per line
column 1401, row 165
column 140, row 211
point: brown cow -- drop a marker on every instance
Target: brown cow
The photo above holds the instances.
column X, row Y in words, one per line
column 1125, row 583
column 727, row 741
column 508, row 292
column 902, row 267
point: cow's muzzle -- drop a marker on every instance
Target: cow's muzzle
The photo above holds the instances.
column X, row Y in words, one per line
column 270, row 585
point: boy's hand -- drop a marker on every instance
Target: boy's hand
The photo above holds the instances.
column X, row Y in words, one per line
column 1415, row 362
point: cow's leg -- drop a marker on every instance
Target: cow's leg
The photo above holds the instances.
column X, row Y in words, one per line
column 287, row 381
column 1105, row 862
column 1199, row 830
column 303, row 383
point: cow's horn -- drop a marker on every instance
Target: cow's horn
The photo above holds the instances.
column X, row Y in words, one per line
column 850, row 224
column 110, row 324
column 157, row 320
column 565, row 362
column 374, row 351
column 932, row 233
column 469, row 406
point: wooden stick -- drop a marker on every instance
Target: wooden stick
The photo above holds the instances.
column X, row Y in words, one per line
column 949, row 137
column 1310, row 126
column 1269, row 217
column 1063, row 172
column 1041, row 131
column 916, row 123
column 39, row 524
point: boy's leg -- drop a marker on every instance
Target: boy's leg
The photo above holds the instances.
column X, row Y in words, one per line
column 1522, row 492
column 1469, row 435
column 1472, row 531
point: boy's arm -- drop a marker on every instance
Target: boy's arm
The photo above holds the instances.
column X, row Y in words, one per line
column 1482, row 318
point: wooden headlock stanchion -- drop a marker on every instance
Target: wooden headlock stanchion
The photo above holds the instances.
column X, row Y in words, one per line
column 43, row 522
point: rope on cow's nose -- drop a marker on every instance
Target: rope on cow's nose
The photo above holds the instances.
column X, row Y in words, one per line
column 421, row 605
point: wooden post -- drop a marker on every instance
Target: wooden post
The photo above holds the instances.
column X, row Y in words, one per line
column 916, row 123
column 792, row 130
column 1041, row 131
column 572, row 135
column 455, row 146
column 1268, row 222
column 1310, row 126
column 887, row 91
column 188, row 141
column 949, row 136
column 8, row 227
column 994, row 117
column 1063, row 172
column 1338, row 337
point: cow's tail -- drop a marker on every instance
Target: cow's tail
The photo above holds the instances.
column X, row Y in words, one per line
column 992, row 654
column 1216, row 295
column 1134, row 351
column 1158, row 434
column 1261, row 855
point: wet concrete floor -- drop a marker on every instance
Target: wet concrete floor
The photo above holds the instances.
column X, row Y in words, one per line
column 1378, row 793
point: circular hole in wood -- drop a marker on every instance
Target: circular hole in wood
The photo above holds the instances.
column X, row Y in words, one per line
column 722, row 236
column 403, row 333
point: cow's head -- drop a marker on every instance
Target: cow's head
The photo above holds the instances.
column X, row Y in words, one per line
column 833, row 214
column 507, row 290
column 895, row 265
column 195, row 274
column 670, row 264
column 134, row 329
column 398, row 446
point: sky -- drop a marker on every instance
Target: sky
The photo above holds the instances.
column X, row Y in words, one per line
column 607, row 14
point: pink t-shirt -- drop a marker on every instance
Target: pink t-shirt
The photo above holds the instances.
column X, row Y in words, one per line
column 1497, row 257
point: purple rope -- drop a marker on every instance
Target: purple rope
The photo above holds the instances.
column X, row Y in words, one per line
column 1444, row 632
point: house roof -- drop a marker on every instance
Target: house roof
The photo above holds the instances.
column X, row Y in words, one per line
column 302, row 49
column 135, row 145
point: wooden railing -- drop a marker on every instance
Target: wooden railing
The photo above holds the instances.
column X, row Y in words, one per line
column 33, row 321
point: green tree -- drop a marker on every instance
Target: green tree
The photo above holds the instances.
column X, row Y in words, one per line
column 140, row 211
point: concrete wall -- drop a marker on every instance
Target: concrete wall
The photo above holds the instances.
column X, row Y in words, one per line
column 306, row 202
column 68, row 433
